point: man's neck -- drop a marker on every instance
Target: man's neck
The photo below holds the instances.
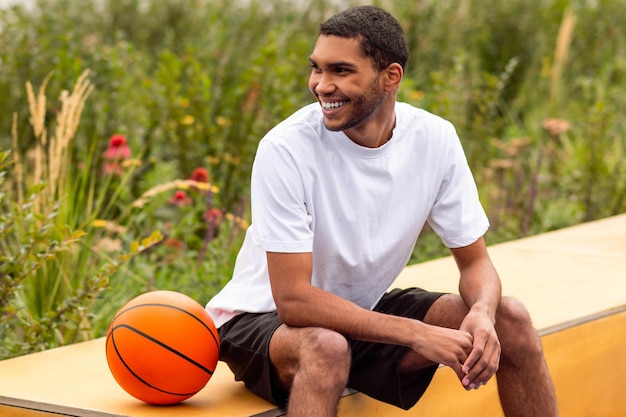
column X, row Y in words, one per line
column 378, row 129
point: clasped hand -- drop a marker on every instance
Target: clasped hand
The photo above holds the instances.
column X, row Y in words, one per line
column 484, row 358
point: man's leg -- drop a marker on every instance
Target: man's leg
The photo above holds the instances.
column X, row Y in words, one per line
column 312, row 364
column 524, row 383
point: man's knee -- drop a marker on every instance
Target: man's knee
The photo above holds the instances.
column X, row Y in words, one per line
column 325, row 348
column 515, row 328
column 325, row 360
column 316, row 354
column 512, row 314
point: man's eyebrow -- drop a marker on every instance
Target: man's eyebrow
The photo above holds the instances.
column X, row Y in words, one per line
column 338, row 64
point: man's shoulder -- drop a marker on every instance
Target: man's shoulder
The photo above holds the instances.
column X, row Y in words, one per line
column 305, row 123
column 410, row 112
column 308, row 117
column 417, row 123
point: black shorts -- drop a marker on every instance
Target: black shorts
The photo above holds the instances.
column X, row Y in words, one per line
column 245, row 348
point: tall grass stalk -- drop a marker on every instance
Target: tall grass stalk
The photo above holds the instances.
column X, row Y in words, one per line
column 37, row 107
column 19, row 168
column 52, row 155
column 561, row 55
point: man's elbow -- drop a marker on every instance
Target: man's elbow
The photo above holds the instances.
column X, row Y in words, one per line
column 290, row 313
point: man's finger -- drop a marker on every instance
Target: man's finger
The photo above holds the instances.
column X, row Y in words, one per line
column 483, row 369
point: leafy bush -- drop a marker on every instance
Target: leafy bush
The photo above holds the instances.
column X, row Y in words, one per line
column 67, row 230
column 38, row 309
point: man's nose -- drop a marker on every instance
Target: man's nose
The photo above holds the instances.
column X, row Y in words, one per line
column 324, row 84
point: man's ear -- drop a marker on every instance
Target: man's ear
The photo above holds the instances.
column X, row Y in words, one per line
column 393, row 76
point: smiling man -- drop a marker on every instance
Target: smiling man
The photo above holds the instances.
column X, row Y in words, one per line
column 340, row 193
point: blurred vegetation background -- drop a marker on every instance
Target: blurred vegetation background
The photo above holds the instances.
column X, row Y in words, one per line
column 129, row 127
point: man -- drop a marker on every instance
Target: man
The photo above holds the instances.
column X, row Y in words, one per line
column 340, row 192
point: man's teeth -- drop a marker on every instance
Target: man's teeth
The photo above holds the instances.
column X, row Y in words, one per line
column 330, row 106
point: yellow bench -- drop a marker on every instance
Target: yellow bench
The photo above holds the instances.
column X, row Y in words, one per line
column 573, row 281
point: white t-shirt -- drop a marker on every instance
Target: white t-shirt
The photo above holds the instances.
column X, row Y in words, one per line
column 358, row 210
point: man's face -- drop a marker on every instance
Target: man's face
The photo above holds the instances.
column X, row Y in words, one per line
column 345, row 83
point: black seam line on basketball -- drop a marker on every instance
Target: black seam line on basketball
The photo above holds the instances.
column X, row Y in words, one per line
column 119, row 355
column 175, row 308
column 163, row 345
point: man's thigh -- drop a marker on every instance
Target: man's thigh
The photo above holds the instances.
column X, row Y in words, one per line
column 244, row 346
column 447, row 311
column 376, row 369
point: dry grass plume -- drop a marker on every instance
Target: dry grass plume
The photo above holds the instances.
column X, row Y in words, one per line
column 51, row 157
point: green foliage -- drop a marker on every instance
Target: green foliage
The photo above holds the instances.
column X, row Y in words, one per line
column 193, row 82
column 505, row 74
column 64, row 269
column 534, row 88
column 30, row 243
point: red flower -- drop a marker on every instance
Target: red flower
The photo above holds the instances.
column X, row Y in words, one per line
column 118, row 148
column 174, row 243
column 213, row 216
column 180, row 199
column 200, row 175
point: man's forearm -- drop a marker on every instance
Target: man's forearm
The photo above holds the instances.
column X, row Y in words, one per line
column 480, row 288
column 479, row 284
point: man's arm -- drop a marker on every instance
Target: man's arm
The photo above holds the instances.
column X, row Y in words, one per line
column 300, row 304
column 481, row 290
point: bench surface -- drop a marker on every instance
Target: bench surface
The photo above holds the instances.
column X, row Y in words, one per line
column 567, row 278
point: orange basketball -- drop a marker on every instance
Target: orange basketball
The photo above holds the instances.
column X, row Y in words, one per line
column 162, row 347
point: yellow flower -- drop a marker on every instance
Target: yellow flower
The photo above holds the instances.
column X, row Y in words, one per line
column 417, row 95
column 108, row 226
column 132, row 162
column 99, row 223
column 222, row 121
column 187, row 120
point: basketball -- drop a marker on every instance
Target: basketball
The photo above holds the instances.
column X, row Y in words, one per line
column 162, row 347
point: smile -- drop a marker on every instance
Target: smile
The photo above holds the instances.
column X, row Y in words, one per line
column 332, row 106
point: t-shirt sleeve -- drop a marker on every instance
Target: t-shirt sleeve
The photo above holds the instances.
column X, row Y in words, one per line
column 457, row 216
column 279, row 212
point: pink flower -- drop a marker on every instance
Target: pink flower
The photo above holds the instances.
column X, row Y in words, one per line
column 112, row 168
column 118, row 148
column 556, row 127
column 180, row 199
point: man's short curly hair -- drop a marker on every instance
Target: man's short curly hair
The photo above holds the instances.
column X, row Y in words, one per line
column 379, row 33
